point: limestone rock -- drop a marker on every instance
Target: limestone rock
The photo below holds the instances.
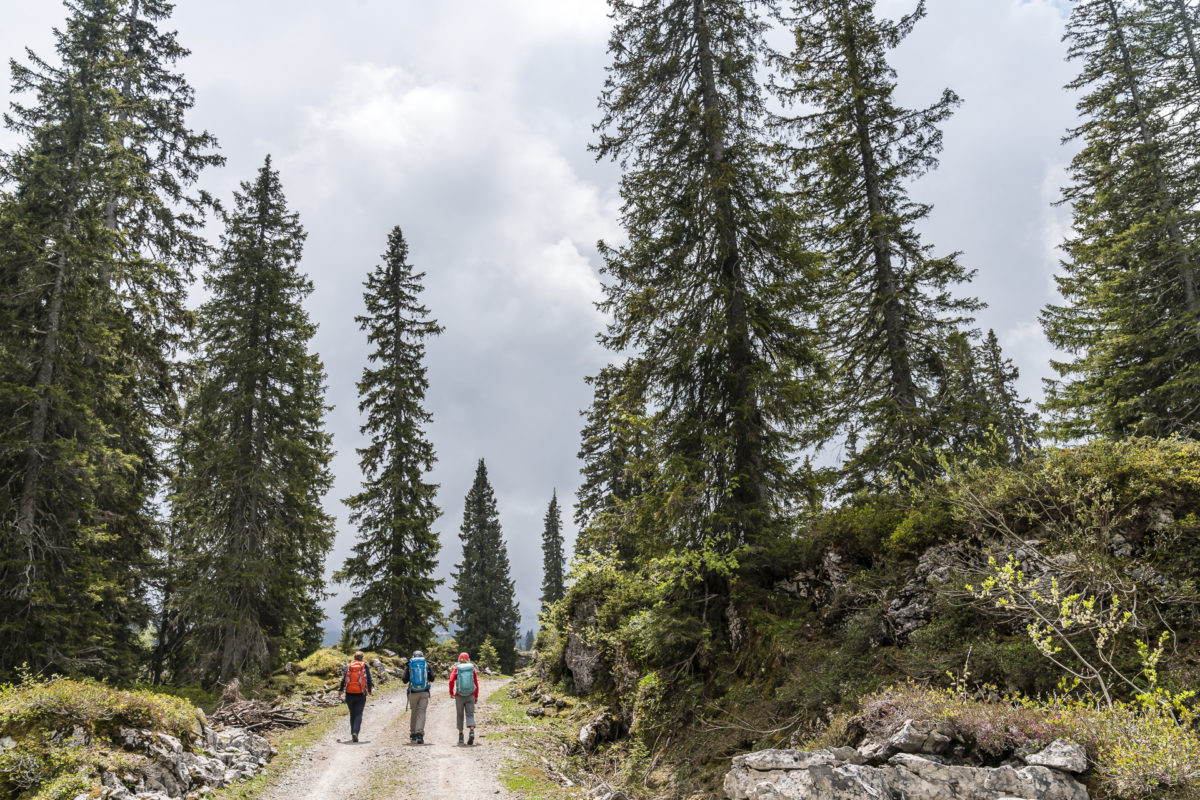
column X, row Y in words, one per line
column 1061, row 754
column 603, row 728
column 833, row 775
column 796, row 775
column 916, row 777
column 582, row 659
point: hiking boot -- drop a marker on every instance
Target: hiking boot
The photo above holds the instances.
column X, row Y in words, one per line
column 471, row 738
column 412, row 737
column 354, row 736
column 420, row 739
column 460, row 741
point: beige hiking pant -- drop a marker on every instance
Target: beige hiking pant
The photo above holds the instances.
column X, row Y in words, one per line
column 418, row 704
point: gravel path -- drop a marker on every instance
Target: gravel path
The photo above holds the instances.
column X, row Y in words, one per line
column 385, row 765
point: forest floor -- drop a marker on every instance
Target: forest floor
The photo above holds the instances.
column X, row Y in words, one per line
column 385, row 765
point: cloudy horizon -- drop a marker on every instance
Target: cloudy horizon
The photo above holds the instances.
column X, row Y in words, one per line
column 469, row 128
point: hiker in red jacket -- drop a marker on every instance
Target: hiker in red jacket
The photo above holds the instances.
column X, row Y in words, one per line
column 356, row 685
column 464, row 688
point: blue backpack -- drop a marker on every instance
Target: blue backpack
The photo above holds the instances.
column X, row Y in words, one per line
column 418, row 675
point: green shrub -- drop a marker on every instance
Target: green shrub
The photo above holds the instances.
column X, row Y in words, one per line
column 324, row 663
column 60, row 705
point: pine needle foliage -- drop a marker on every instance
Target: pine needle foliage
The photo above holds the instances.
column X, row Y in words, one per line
column 254, row 452
column 614, row 453
column 711, row 292
column 98, row 236
column 1130, row 319
column 391, row 570
column 484, row 593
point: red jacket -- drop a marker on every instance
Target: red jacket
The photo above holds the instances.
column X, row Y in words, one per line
column 454, row 681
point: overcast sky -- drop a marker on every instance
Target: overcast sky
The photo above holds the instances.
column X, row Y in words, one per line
column 467, row 124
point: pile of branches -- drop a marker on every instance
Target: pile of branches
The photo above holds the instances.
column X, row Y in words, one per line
column 257, row 716
column 253, row 715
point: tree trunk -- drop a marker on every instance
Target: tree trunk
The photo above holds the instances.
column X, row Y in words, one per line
column 899, row 365
column 34, row 459
column 749, row 492
column 1186, row 24
column 1174, row 233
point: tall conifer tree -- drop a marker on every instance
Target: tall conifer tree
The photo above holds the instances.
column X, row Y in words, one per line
column 391, row 570
column 892, row 324
column 255, row 453
column 484, row 592
column 1131, row 316
column 553, row 555
column 710, row 292
column 98, row 236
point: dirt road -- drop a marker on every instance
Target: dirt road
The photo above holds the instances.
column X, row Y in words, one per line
column 384, row 765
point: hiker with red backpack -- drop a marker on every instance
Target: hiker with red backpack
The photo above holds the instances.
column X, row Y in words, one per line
column 464, row 688
column 416, row 675
column 356, row 685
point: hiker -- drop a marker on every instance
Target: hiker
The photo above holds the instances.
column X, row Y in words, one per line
column 416, row 675
column 356, row 685
column 464, row 688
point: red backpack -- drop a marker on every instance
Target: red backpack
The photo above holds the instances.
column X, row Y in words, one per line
column 356, row 678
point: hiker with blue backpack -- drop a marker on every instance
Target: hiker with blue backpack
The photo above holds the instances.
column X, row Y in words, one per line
column 464, row 688
column 416, row 675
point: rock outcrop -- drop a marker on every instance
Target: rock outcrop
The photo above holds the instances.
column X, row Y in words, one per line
column 912, row 760
column 582, row 659
column 829, row 775
column 172, row 770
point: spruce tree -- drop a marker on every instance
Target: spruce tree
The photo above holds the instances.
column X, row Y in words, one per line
column 254, row 451
column 98, row 236
column 391, row 570
column 710, row 293
column 981, row 418
column 553, row 555
column 891, row 321
column 484, row 592
column 1131, row 313
column 615, row 457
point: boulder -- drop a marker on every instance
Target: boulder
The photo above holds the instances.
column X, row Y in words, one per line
column 835, row 775
column 1061, row 754
column 797, row 775
column 379, row 672
column 917, row 777
column 603, row 728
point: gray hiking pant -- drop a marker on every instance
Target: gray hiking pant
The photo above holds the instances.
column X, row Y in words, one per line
column 418, row 703
column 464, row 704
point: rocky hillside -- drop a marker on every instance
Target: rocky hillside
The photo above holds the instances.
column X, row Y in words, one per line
column 1064, row 588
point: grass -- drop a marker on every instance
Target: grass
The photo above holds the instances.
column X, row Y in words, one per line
column 526, row 776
